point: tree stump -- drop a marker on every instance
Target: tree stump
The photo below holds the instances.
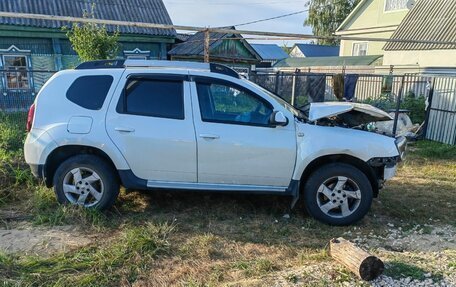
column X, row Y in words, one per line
column 358, row 261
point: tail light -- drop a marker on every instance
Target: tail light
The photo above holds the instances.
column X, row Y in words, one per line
column 31, row 115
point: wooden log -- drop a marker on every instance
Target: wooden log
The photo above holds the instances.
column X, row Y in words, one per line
column 358, row 261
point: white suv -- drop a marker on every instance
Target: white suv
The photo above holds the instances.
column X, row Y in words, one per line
column 190, row 126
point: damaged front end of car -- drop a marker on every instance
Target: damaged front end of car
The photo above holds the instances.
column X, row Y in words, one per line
column 345, row 114
column 359, row 117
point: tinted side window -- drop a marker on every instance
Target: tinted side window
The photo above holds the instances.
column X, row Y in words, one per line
column 155, row 98
column 225, row 103
column 90, row 91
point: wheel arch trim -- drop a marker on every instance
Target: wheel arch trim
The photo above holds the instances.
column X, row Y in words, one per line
column 63, row 152
column 342, row 158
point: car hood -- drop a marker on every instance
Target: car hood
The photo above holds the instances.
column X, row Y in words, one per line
column 356, row 112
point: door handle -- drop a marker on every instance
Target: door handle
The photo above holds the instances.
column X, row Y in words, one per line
column 209, row 136
column 124, row 129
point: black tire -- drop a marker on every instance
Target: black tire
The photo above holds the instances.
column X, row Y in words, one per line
column 313, row 199
column 105, row 172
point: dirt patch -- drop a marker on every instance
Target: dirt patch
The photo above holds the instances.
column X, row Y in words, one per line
column 27, row 239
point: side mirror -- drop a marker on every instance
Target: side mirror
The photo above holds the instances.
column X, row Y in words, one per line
column 278, row 119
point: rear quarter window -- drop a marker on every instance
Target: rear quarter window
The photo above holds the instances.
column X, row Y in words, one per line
column 90, row 91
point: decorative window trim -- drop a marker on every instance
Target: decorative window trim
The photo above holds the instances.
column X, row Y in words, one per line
column 27, row 70
column 136, row 54
column 360, row 42
column 15, row 50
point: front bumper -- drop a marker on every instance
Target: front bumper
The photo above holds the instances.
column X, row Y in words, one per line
column 401, row 144
column 389, row 172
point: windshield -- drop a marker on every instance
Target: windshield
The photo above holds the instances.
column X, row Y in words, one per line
column 282, row 102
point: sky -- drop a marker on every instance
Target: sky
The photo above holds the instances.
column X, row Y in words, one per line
column 218, row 13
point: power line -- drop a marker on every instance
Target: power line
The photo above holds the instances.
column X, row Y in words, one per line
column 285, row 15
column 216, row 30
column 272, row 18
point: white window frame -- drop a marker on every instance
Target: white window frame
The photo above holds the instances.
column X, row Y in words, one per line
column 29, row 82
column 393, row 11
column 360, row 42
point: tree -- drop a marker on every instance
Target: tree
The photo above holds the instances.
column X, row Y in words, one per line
column 92, row 41
column 325, row 16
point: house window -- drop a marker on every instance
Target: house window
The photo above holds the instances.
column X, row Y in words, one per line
column 360, row 49
column 393, row 5
column 16, row 73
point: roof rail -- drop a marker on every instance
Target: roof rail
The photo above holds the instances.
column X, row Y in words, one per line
column 101, row 64
column 214, row 68
column 107, row 64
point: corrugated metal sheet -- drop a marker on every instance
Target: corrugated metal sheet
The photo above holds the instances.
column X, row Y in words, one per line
column 311, row 50
column 429, row 20
column 327, row 61
column 149, row 11
column 269, row 52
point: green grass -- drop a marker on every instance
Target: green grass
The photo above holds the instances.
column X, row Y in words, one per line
column 14, row 174
column 256, row 267
column 126, row 257
column 397, row 270
column 434, row 150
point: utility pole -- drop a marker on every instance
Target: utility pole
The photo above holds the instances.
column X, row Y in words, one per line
column 206, row 45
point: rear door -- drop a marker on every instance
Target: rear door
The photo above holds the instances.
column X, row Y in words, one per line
column 151, row 122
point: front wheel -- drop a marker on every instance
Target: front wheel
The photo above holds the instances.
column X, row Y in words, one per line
column 338, row 194
column 86, row 180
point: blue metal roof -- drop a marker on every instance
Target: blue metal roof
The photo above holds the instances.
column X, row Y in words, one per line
column 149, row 11
column 269, row 51
column 311, row 50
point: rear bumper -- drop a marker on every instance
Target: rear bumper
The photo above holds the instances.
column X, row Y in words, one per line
column 37, row 170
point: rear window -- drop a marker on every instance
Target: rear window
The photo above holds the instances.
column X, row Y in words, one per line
column 154, row 98
column 90, row 91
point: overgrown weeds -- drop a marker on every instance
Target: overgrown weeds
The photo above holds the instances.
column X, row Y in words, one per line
column 14, row 174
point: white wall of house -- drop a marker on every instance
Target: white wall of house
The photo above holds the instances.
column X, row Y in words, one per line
column 371, row 19
column 423, row 59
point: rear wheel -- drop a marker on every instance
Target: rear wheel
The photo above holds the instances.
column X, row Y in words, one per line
column 86, row 180
column 338, row 194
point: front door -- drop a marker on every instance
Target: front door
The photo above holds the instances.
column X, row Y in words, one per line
column 151, row 123
column 236, row 143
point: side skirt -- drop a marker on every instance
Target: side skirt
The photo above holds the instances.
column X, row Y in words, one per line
column 130, row 181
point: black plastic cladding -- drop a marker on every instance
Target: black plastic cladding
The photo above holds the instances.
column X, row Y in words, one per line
column 101, row 64
column 113, row 64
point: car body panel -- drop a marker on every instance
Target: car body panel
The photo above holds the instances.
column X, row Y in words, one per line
column 318, row 111
column 53, row 112
column 244, row 154
column 318, row 141
column 155, row 148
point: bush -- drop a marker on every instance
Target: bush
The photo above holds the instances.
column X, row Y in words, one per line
column 416, row 105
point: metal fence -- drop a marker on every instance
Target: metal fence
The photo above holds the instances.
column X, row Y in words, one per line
column 19, row 88
column 300, row 87
column 389, row 92
column 441, row 115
